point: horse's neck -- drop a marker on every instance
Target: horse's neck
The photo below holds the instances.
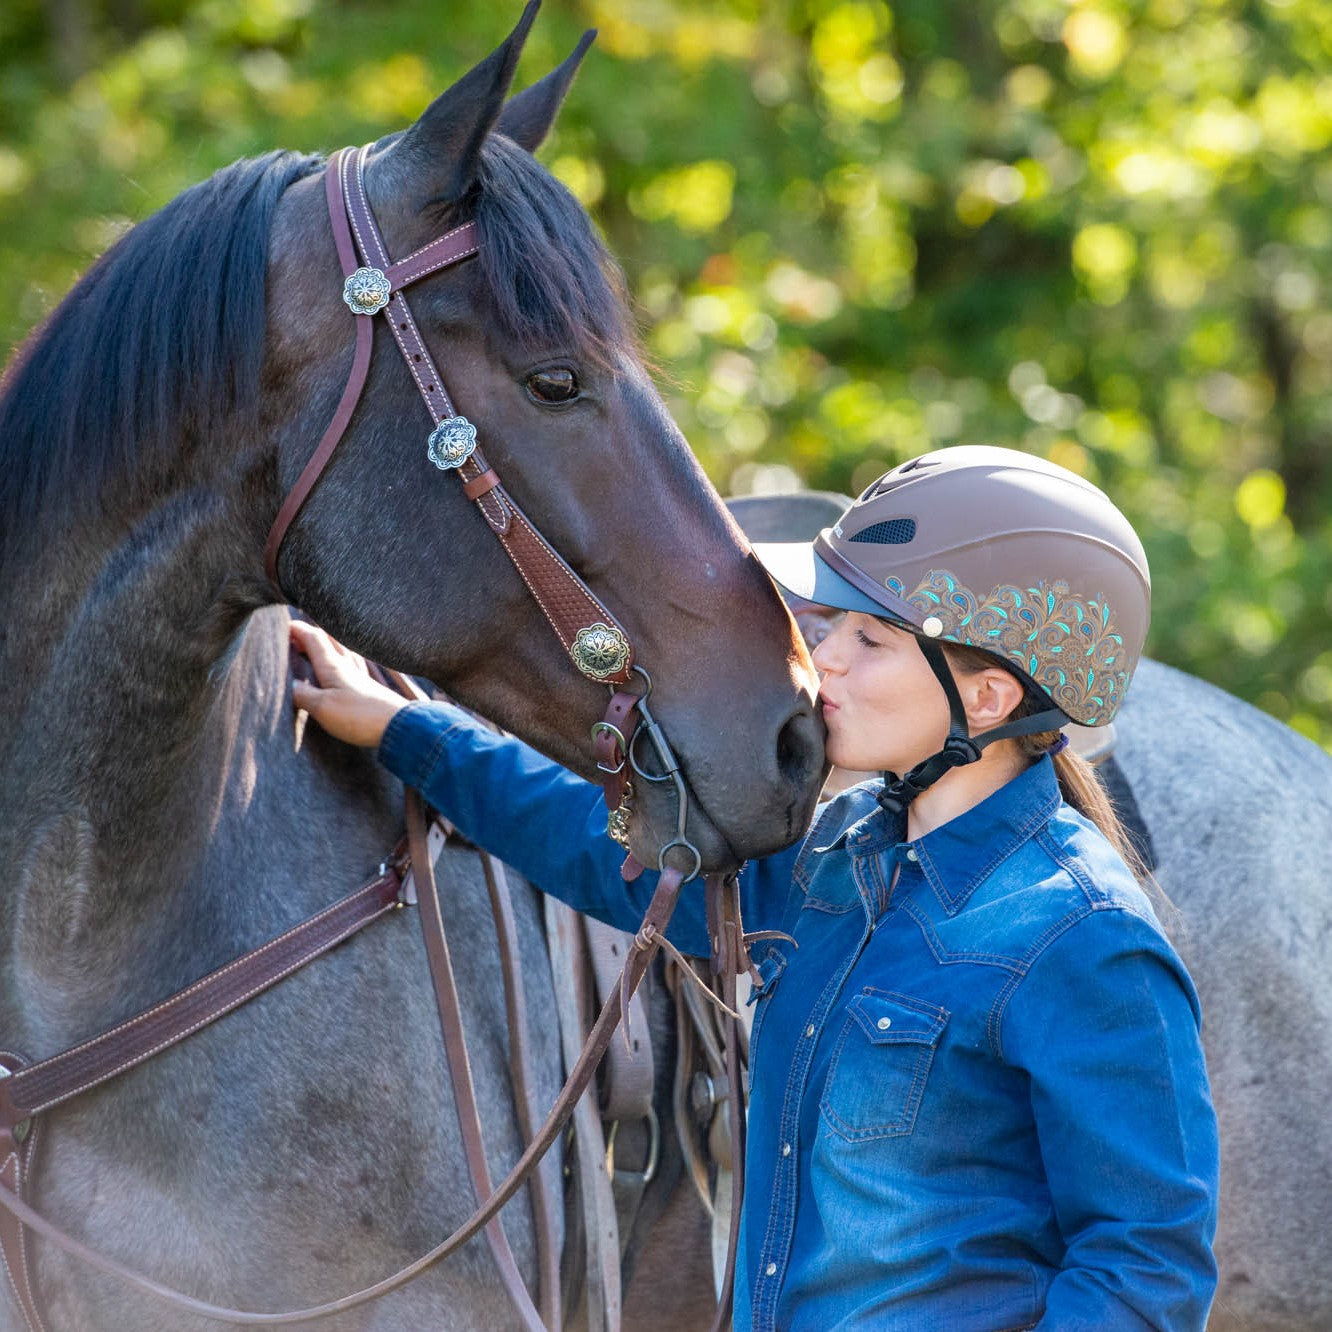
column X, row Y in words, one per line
column 151, row 796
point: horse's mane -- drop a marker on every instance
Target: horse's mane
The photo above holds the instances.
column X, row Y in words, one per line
column 163, row 336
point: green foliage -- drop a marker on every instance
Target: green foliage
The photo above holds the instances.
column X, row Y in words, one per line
column 1097, row 230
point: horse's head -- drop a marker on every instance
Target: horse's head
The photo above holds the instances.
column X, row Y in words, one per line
column 534, row 345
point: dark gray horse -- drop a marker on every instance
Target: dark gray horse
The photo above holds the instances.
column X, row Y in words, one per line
column 1236, row 810
column 156, row 819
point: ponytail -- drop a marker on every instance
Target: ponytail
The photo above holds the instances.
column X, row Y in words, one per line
column 1082, row 789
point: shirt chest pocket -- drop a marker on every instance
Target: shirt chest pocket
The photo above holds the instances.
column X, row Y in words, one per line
column 880, row 1065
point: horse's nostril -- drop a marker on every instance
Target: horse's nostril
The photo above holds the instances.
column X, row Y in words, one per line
column 799, row 748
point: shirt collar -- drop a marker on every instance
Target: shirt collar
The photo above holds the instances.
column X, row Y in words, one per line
column 958, row 855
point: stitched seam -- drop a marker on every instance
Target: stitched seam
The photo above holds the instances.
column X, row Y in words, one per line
column 573, row 580
column 875, row 881
column 435, row 267
column 532, row 588
column 994, row 1023
column 788, row 1126
column 905, row 1121
column 439, row 240
column 358, row 179
column 438, row 748
column 943, row 955
column 1076, row 872
column 426, row 360
column 211, row 978
column 578, row 586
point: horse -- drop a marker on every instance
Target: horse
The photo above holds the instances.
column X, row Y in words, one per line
column 1233, row 811
column 157, row 816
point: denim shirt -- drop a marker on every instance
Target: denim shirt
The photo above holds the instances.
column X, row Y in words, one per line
column 978, row 1098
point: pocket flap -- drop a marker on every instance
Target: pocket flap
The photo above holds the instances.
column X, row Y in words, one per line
column 887, row 1018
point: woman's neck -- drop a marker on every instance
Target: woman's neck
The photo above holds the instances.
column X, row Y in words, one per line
column 961, row 789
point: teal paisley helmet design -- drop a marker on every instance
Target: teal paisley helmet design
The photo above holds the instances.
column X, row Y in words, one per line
column 1066, row 645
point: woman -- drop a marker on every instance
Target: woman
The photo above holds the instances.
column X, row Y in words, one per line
column 978, row 1094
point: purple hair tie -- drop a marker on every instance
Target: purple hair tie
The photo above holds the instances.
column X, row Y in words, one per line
column 1059, row 745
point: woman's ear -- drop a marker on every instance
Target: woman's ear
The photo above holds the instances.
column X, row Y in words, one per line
column 990, row 697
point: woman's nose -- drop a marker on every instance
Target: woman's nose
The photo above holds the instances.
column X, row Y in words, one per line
column 824, row 654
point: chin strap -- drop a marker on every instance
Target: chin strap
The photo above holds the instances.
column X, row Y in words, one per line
column 960, row 747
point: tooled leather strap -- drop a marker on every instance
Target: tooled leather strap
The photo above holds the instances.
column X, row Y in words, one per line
column 645, row 946
column 46, row 1084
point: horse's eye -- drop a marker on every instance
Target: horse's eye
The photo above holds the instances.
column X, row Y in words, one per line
column 559, row 385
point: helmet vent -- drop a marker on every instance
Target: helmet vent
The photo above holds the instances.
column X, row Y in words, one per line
column 892, row 532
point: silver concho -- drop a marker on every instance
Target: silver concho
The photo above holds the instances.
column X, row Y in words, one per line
column 367, row 291
column 452, row 442
column 600, row 651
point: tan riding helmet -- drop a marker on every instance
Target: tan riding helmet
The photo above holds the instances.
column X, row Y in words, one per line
column 998, row 550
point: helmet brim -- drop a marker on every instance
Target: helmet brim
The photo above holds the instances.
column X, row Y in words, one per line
column 796, row 567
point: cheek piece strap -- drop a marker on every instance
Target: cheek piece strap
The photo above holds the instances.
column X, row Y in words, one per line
column 961, row 747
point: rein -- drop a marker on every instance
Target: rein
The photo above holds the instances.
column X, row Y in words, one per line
column 599, row 647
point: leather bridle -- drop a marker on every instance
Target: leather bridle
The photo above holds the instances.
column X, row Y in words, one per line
column 601, row 650
column 594, row 639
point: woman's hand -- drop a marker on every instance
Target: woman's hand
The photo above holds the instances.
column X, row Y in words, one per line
column 346, row 702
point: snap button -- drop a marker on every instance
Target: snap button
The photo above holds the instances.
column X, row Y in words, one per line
column 911, row 854
column 932, row 626
column 786, row 1149
column 770, row 1270
column 884, row 1023
column 809, row 1031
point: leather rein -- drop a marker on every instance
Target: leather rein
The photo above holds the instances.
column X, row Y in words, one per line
column 601, row 650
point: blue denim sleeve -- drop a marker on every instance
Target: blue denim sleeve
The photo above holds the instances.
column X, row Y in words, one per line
column 550, row 824
column 1106, row 1022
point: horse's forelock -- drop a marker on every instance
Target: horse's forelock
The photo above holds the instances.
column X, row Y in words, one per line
column 550, row 279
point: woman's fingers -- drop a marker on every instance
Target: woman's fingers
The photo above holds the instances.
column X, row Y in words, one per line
column 333, row 664
column 345, row 701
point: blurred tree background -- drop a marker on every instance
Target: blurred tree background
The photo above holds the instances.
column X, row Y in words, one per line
column 1098, row 230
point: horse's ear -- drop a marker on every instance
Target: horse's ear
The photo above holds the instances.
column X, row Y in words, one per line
column 527, row 118
column 444, row 146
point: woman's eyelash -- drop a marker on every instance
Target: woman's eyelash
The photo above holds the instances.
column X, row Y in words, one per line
column 866, row 640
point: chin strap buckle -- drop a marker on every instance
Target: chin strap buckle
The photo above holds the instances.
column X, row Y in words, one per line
column 959, row 750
